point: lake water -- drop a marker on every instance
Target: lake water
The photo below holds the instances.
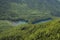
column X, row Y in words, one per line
column 19, row 23
column 24, row 22
column 42, row 20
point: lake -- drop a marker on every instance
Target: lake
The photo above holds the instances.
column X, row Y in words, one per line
column 35, row 22
column 19, row 23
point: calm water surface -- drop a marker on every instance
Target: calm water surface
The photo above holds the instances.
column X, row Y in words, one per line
column 24, row 22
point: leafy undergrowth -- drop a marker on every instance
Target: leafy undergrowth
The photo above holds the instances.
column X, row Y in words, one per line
column 44, row 31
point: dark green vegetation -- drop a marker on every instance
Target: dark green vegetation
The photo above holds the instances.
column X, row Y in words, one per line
column 31, row 11
column 44, row 31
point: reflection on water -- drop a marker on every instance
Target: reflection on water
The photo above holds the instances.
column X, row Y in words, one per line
column 19, row 22
column 25, row 22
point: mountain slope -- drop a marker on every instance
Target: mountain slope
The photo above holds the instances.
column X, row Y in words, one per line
column 30, row 9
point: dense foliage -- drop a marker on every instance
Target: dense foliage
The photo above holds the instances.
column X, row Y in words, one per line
column 44, row 31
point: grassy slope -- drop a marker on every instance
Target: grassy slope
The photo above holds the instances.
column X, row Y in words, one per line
column 44, row 31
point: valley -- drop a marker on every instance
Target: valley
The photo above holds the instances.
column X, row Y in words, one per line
column 29, row 20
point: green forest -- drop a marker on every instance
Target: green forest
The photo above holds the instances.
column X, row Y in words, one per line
column 29, row 19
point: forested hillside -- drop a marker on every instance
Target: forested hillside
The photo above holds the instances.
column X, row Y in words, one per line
column 29, row 9
column 29, row 19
